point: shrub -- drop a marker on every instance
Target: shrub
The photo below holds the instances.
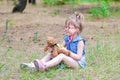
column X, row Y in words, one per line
column 101, row 11
column 57, row 2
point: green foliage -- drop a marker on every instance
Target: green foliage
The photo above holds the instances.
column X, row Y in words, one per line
column 55, row 12
column 1, row 65
column 58, row 2
column 94, row 12
column 115, row 12
column 104, row 9
column 8, row 23
column 35, row 37
column 62, row 2
column 15, row 2
column 101, row 11
column 53, row 2
column 88, row 0
column 6, row 29
column 117, row 0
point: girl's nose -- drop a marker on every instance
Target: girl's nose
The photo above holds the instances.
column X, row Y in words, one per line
column 66, row 29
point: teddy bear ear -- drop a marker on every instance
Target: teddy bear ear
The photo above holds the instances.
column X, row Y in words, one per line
column 51, row 40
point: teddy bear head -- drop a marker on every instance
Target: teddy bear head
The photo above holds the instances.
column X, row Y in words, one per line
column 51, row 41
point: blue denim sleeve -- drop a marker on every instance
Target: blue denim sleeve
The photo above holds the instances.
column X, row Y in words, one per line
column 65, row 38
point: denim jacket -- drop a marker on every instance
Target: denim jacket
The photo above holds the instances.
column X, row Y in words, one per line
column 72, row 46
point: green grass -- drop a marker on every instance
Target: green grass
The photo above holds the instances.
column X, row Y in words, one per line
column 62, row 2
column 103, row 63
column 103, row 60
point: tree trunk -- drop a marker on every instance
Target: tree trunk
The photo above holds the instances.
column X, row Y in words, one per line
column 29, row 1
column 20, row 6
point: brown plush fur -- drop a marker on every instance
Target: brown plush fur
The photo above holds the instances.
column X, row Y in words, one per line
column 51, row 42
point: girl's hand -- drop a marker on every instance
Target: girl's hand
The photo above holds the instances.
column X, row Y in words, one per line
column 64, row 48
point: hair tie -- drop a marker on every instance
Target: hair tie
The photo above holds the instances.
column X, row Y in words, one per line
column 78, row 16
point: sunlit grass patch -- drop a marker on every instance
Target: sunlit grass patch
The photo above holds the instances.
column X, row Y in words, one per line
column 104, row 58
column 103, row 63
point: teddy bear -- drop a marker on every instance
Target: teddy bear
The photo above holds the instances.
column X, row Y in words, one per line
column 56, row 48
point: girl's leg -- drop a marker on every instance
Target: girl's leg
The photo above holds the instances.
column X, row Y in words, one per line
column 27, row 65
column 39, row 64
column 31, row 64
column 61, row 57
column 46, row 58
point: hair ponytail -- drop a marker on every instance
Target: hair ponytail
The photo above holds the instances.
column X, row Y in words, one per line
column 79, row 16
column 79, row 20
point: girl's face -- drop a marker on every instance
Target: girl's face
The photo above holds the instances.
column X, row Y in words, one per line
column 71, row 30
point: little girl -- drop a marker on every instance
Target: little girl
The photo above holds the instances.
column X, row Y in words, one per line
column 72, row 42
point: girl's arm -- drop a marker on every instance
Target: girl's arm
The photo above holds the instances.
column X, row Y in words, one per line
column 79, row 52
column 63, row 44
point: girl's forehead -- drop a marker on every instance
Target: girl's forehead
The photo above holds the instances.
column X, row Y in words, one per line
column 69, row 22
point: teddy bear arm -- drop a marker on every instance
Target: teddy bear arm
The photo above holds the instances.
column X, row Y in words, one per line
column 46, row 48
column 55, row 51
column 64, row 51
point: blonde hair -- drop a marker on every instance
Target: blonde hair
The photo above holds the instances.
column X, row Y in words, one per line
column 77, row 19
